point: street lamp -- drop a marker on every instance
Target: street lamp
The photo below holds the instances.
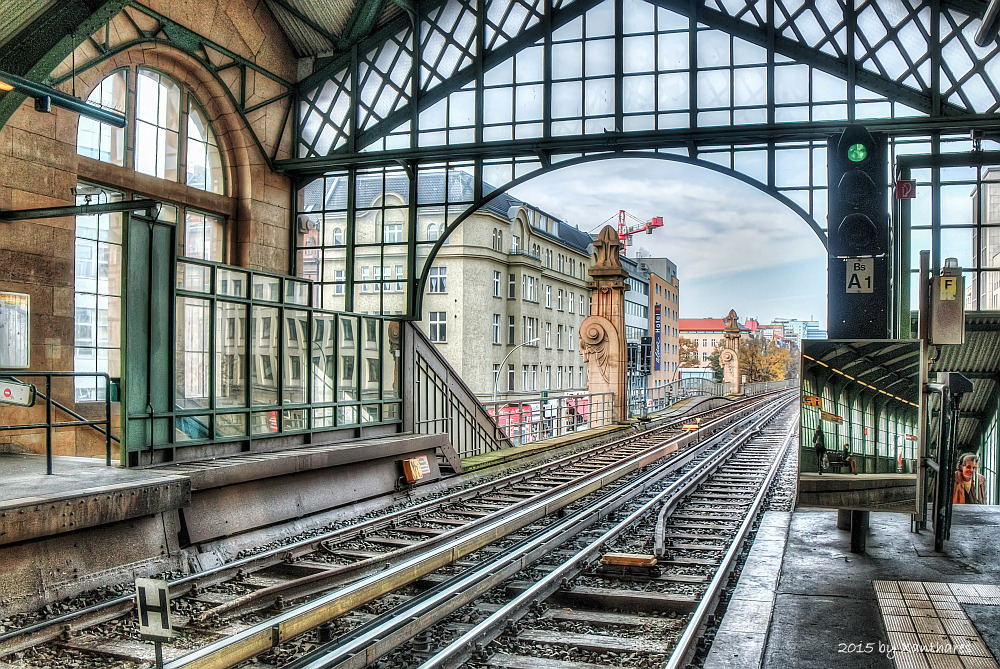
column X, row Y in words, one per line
column 496, row 380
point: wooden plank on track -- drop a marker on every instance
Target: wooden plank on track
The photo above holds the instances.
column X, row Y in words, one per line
column 599, row 643
column 505, row 661
column 604, row 618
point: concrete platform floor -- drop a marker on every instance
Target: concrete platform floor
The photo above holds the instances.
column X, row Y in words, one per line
column 23, row 475
column 805, row 601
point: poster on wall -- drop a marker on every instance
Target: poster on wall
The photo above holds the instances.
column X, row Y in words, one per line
column 14, row 331
column 860, row 411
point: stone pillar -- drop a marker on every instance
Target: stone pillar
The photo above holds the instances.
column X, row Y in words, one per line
column 602, row 334
column 729, row 357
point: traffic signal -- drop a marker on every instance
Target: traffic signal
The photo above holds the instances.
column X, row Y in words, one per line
column 858, row 235
column 645, row 355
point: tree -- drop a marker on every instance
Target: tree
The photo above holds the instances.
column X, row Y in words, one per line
column 687, row 351
column 763, row 360
column 713, row 362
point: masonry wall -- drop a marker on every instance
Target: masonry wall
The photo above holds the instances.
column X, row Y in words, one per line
column 39, row 166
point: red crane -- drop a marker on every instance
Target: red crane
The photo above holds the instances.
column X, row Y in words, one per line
column 625, row 232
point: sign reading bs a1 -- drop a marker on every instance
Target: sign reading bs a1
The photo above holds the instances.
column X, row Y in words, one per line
column 153, row 606
column 860, row 275
column 20, row 394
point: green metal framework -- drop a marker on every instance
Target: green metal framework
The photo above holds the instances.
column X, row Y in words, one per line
column 504, row 90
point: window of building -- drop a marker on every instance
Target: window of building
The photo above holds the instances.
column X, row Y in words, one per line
column 438, row 326
column 496, row 375
column 704, row 342
column 496, row 283
column 572, row 341
column 515, row 243
column 202, row 237
column 97, row 324
column 524, row 378
column 559, row 337
column 496, row 328
column 510, row 330
column 572, row 299
column 713, row 342
column 581, row 305
column 548, row 377
column 559, row 377
column 438, row 280
column 511, row 287
column 534, row 377
column 559, row 301
column 583, row 382
column 99, row 140
column 548, row 335
column 510, row 377
column 548, row 297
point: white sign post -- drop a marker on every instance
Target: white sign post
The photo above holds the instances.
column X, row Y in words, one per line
column 860, row 275
column 153, row 607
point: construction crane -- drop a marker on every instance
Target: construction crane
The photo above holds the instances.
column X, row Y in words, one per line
column 625, row 232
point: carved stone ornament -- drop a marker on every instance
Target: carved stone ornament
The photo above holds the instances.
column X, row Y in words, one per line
column 595, row 345
column 729, row 360
column 608, row 249
column 731, row 322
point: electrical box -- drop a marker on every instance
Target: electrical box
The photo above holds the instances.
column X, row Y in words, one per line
column 948, row 305
column 415, row 469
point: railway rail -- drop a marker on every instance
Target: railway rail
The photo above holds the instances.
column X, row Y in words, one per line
column 232, row 607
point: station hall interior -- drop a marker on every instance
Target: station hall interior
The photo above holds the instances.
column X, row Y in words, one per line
column 264, row 268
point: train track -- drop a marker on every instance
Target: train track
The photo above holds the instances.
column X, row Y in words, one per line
column 637, row 613
column 376, row 559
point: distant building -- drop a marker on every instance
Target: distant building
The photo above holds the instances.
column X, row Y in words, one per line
column 664, row 306
column 707, row 333
column 796, row 330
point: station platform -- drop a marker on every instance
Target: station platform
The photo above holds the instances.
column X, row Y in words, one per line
column 804, row 600
column 89, row 525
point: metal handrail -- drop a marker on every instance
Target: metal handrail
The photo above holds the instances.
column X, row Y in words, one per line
column 534, row 418
column 49, row 426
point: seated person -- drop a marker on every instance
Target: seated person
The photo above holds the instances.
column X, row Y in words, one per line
column 849, row 459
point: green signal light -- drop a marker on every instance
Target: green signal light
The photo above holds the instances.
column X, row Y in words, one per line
column 857, row 152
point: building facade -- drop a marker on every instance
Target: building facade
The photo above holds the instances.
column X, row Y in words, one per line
column 505, row 300
column 664, row 306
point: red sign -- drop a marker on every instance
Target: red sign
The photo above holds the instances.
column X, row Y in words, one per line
column 6, row 392
column 906, row 190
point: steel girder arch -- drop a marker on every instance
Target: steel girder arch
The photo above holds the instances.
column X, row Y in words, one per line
column 252, row 89
column 421, row 279
column 486, row 82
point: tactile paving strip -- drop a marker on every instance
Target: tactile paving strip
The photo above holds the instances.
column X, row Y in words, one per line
column 927, row 627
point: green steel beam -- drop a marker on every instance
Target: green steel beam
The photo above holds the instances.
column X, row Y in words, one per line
column 364, row 17
column 39, row 47
column 636, row 140
column 78, row 210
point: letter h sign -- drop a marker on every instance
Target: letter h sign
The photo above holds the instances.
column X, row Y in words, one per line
column 153, row 606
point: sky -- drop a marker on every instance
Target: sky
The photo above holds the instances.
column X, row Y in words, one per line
column 735, row 247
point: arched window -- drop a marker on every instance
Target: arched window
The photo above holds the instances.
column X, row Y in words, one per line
column 432, row 232
column 172, row 137
column 99, row 140
column 338, row 237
